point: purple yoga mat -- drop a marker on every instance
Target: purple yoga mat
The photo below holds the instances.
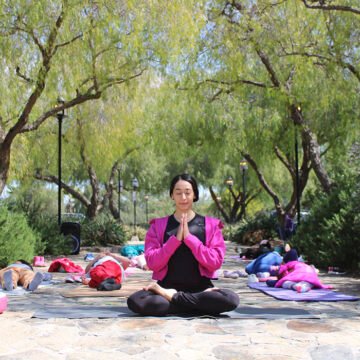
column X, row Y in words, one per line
column 312, row 295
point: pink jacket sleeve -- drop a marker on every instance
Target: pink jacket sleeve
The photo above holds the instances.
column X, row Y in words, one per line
column 211, row 255
column 157, row 254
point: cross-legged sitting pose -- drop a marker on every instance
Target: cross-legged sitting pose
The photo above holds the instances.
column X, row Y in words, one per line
column 183, row 250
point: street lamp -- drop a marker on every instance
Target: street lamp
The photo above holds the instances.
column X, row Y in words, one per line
column 120, row 189
column 218, row 200
column 60, row 116
column 135, row 184
column 243, row 168
column 229, row 182
column 297, row 169
column 146, row 197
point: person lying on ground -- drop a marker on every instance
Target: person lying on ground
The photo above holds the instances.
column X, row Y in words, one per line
column 262, row 264
column 297, row 275
column 106, row 271
column 183, row 250
column 255, row 251
column 20, row 273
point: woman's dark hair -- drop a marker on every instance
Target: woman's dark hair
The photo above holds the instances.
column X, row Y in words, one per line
column 190, row 179
column 291, row 255
column 26, row 263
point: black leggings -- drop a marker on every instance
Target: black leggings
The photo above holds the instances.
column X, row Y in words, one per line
column 205, row 302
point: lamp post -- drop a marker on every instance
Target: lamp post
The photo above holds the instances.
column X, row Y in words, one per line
column 297, row 170
column 243, row 168
column 120, row 189
column 135, row 184
column 229, row 183
column 60, row 116
column 218, row 199
column 146, row 197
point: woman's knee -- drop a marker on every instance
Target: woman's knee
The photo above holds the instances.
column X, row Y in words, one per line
column 133, row 304
column 148, row 304
column 232, row 299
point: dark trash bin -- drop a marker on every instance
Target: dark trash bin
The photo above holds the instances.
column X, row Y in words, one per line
column 72, row 229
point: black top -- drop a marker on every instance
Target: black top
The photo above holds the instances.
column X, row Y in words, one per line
column 183, row 269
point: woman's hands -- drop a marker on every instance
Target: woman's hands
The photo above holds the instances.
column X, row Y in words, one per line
column 183, row 230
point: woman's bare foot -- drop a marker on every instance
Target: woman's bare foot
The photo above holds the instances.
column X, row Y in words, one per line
column 157, row 289
column 212, row 289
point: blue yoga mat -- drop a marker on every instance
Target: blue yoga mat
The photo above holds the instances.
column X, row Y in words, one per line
column 312, row 295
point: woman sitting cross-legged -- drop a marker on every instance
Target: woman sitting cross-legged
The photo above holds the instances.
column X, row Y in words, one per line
column 183, row 250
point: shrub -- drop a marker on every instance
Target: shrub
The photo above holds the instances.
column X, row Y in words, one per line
column 51, row 242
column 330, row 234
column 140, row 231
column 39, row 206
column 17, row 239
column 102, row 231
column 262, row 221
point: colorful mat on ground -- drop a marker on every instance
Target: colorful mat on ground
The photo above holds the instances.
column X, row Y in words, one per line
column 312, row 295
column 85, row 291
column 95, row 311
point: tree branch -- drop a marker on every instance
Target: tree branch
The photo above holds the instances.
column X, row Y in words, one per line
column 40, row 80
column 263, row 182
column 232, row 83
column 322, row 6
column 55, row 180
column 266, row 61
column 285, row 161
column 18, row 73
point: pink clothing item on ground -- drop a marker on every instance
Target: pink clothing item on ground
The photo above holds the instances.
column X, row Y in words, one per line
column 297, row 271
column 209, row 256
column 65, row 265
column 39, row 261
column 3, row 303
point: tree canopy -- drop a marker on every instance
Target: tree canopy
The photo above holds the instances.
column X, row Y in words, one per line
column 152, row 89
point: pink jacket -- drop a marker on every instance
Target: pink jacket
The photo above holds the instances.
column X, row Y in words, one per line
column 298, row 271
column 210, row 256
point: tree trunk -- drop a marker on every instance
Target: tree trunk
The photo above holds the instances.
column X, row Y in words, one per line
column 314, row 149
column 110, row 190
column 4, row 165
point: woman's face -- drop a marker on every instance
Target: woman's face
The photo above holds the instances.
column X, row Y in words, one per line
column 183, row 195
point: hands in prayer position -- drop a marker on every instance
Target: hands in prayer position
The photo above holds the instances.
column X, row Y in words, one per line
column 183, row 230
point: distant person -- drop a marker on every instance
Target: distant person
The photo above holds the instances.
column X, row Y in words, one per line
column 183, row 250
column 263, row 263
column 253, row 252
column 20, row 273
column 286, row 230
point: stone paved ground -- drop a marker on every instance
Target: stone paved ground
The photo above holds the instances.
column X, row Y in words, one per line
column 333, row 333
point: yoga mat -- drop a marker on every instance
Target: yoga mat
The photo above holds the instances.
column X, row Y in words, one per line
column 250, row 312
column 19, row 291
column 85, row 291
column 93, row 311
column 312, row 295
column 81, row 312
